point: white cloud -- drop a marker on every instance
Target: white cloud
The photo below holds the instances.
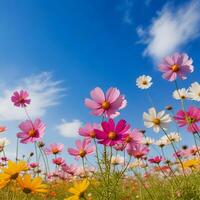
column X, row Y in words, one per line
column 69, row 129
column 172, row 28
column 44, row 92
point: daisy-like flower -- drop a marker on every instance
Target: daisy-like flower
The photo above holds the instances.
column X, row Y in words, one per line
column 31, row 186
column 82, row 150
column 189, row 118
column 117, row 160
column 194, row 91
column 112, row 134
column 177, row 65
column 144, row 82
column 156, row 120
column 54, row 149
column 58, row 161
column 180, row 94
column 78, row 190
column 106, row 105
column 138, row 151
column 11, row 172
column 172, row 137
column 162, row 142
column 147, row 141
column 156, row 159
column 33, row 165
column 136, row 163
column 70, row 169
column 88, row 130
column 31, row 132
column 20, row 98
column 193, row 163
column 3, row 143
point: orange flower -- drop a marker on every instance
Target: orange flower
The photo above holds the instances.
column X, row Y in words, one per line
column 2, row 129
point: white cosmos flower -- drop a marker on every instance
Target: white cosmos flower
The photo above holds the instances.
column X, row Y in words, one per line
column 194, row 91
column 147, row 141
column 172, row 137
column 117, row 160
column 180, row 94
column 144, row 82
column 136, row 163
column 162, row 142
column 156, row 120
column 3, row 142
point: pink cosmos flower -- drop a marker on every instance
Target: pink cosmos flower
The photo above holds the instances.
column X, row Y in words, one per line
column 106, row 104
column 54, row 149
column 156, row 159
column 58, row 161
column 88, row 130
column 70, row 169
column 31, row 132
column 2, row 129
column 177, row 65
column 34, row 165
column 138, row 150
column 20, row 98
column 112, row 134
column 189, row 118
column 82, row 150
column 133, row 137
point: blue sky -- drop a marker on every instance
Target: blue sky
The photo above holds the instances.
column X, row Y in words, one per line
column 78, row 45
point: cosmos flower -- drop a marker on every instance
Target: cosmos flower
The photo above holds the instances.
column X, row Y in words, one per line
column 70, row 169
column 156, row 159
column 112, row 134
column 11, row 172
column 162, row 142
column 144, row 82
column 192, row 163
column 30, row 185
column 117, row 160
column 156, row 120
column 2, row 129
column 177, row 65
column 194, row 91
column 83, row 149
column 147, row 141
column 88, row 130
column 138, row 151
column 3, row 143
column 106, row 105
column 20, row 98
column 78, row 190
column 34, row 165
column 31, row 132
column 189, row 118
column 180, row 94
column 136, row 163
column 133, row 137
column 58, row 161
column 55, row 148
column 172, row 137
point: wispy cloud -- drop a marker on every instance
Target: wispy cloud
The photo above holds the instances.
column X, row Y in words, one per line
column 69, row 129
column 172, row 28
column 44, row 93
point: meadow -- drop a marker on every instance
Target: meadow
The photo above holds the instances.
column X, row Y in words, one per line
column 113, row 161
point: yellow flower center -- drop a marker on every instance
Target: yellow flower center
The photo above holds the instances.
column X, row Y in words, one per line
column 14, row 176
column 183, row 97
column 32, row 132
column 82, row 153
column 156, row 121
column 105, row 105
column 199, row 94
column 112, row 135
column 55, row 150
column 128, row 139
column 92, row 134
column 175, row 68
column 27, row 190
column 144, row 82
column 190, row 120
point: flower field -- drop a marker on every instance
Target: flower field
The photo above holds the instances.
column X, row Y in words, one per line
column 112, row 160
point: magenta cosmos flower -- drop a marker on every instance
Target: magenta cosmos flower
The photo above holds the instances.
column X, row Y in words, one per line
column 106, row 104
column 177, row 65
column 54, row 149
column 82, row 150
column 138, row 150
column 88, row 130
column 112, row 134
column 31, row 132
column 70, row 169
column 189, row 118
column 58, row 161
column 20, row 98
column 156, row 159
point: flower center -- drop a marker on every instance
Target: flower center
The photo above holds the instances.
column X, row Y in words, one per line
column 92, row 134
column 199, row 94
column 144, row 82
column 183, row 97
column 105, row 105
column 156, row 121
column 112, row 135
column 128, row 139
column 14, row 176
column 190, row 120
column 55, row 151
column 32, row 133
column 82, row 153
column 27, row 190
column 175, row 68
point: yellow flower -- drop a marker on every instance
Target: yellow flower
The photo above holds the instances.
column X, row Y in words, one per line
column 11, row 172
column 30, row 185
column 78, row 190
column 193, row 163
